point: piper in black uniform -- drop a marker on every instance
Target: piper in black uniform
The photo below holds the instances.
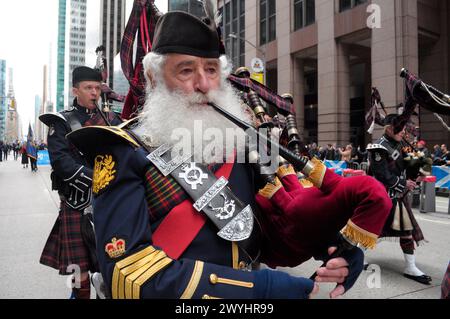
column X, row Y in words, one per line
column 171, row 227
column 387, row 164
column 72, row 178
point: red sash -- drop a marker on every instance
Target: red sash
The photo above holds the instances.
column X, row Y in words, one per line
column 183, row 223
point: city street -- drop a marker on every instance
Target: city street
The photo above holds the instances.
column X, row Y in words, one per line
column 28, row 209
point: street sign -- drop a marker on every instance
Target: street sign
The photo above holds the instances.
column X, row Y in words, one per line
column 259, row 77
column 257, row 65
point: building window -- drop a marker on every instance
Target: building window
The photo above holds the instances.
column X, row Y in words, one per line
column 233, row 22
column 349, row 4
column 267, row 26
column 194, row 7
column 304, row 13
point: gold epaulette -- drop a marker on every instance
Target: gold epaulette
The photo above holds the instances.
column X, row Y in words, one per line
column 131, row 273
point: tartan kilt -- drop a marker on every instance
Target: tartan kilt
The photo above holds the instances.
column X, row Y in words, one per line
column 65, row 244
column 416, row 232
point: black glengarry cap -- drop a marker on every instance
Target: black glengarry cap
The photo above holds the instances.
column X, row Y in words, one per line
column 397, row 122
column 84, row 73
column 182, row 33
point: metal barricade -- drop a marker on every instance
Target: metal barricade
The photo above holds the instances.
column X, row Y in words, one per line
column 353, row 165
column 415, row 203
column 428, row 195
column 448, row 209
column 364, row 166
column 353, row 172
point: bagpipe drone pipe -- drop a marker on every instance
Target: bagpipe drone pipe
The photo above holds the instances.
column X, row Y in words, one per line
column 425, row 95
column 303, row 217
column 417, row 93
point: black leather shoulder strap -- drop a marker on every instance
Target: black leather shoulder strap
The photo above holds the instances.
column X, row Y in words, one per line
column 72, row 119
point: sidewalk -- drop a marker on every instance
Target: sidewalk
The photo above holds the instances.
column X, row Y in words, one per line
column 442, row 205
column 28, row 210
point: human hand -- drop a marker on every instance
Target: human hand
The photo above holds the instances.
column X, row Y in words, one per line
column 410, row 185
column 315, row 291
column 336, row 271
column 343, row 270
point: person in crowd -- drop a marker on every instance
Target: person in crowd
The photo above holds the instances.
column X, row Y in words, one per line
column 24, row 155
column 445, row 157
column 322, row 153
column 313, row 151
column 346, row 155
column 437, row 153
column 361, row 154
column 330, row 152
column 421, row 146
column 32, row 153
column 16, row 149
column 5, row 151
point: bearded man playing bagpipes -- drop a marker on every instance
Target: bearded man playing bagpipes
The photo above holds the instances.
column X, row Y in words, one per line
column 174, row 221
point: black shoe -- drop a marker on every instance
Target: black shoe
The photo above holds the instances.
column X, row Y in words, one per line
column 427, row 277
column 366, row 266
column 424, row 279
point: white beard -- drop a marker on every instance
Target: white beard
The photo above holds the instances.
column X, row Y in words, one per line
column 186, row 122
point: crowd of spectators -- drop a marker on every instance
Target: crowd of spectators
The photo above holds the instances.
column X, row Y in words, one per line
column 331, row 152
column 348, row 153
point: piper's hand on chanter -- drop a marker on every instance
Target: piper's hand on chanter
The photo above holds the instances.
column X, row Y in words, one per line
column 344, row 270
column 410, row 184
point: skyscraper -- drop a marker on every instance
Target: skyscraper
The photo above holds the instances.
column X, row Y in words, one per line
column 194, row 7
column 3, row 103
column 12, row 116
column 71, row 26
column 61, row 56
column 77, row 44
column 37, row 111
column 112, row 26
